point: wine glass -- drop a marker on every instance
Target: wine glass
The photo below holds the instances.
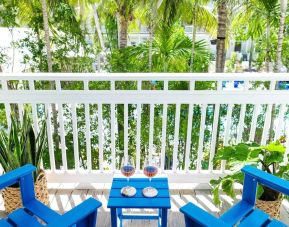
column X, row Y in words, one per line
column 150, row 170
column 128, row 169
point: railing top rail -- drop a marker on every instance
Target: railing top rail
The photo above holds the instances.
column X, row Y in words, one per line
column 146, row 76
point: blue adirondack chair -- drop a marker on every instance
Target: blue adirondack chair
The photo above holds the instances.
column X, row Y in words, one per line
column 84, row 215
column 244, row 213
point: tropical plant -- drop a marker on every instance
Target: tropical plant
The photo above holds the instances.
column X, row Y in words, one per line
column 270, row 157
column 197, row 14
column 21, row 145
column 283, row 9
column 47, row 36
column 171, row 51
column 221, row 35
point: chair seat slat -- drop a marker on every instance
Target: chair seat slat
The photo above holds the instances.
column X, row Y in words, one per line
column 4, row 223
column 276, row 223
column 255, row 218
column 21, row 219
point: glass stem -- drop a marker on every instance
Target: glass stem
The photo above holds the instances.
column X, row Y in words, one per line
column 127, row 181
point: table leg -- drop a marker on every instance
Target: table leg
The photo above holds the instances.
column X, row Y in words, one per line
column 164, row 217
column 113, row 217
column 119, row 215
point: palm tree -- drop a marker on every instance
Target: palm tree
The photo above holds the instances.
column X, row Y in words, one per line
column 196, row 13
column 47, row 36
column 283, row 9
column 125, row 10
column 171, row 50
column 147, row 13
column 268, row 10
column 98, row 26
column 221, row 35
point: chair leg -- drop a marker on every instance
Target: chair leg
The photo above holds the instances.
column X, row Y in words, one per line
column 190, row 223
column 89, row 221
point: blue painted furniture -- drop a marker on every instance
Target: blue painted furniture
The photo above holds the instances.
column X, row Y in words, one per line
column 161, row 202
column 243, row 213
column 84, row 215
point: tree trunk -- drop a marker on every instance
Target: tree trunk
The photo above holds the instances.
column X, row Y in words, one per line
column 193, row 37
column 98, row 27
column 151, row 30
column 46, row 31
column 283, row 7
column 49, row 63
column 123, row 23
column 221, row 37
column 268, row 31
column 251, row 54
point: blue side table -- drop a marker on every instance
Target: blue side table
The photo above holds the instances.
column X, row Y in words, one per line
column 161, row 202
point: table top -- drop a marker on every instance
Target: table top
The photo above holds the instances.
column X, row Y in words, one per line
column 117, row 200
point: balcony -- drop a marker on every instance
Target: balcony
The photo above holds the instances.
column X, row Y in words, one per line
column 178, row 119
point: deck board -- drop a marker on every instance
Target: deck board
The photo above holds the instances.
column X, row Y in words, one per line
column 62, row 200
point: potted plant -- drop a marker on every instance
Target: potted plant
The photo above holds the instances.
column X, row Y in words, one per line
column 270, row 157
column 20, row 145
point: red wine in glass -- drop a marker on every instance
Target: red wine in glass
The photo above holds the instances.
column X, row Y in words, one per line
column 127, row 170
column 150, row 171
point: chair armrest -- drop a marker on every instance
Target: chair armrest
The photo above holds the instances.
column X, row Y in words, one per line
column 76, row 214
column 14, row 176
column 267, row 179
column 201, row 217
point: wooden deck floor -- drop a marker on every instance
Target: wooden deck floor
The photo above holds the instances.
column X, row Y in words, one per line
column 63, row 200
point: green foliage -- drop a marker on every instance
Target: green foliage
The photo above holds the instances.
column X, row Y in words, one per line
column 269, row 157
column 21, row 145
column 230, row 64
column 171, row 52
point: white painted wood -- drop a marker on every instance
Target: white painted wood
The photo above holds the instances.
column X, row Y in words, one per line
column 164, row 136
column 75, row 137
column 112, row 85
column 125, row 143
column 139, row 84
column 138, row 137
column 50, row 137
column 227, row 132
column 214, row 135
column 189, row 136
column 34, row 108
column 151, row 130
column 100, row 136
column 147, row 76
column 254, row 122
column 112, row 128
column 281, row 122
column 193, row 177
column 35, row 118
column 87, row 129
column 8, row 114
column 62, row 136
column 88, row 136
column 266, row 127
column 201, row 137
column 192, row 85
column 166, row 85
column 241, row 123
column 176, row 137
column 139, row 97
column 145, row 96
column 21, row 111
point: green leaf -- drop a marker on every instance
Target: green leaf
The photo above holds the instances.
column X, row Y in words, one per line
column 228, row 187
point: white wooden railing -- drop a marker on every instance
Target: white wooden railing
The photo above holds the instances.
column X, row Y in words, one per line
column 243, row 97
